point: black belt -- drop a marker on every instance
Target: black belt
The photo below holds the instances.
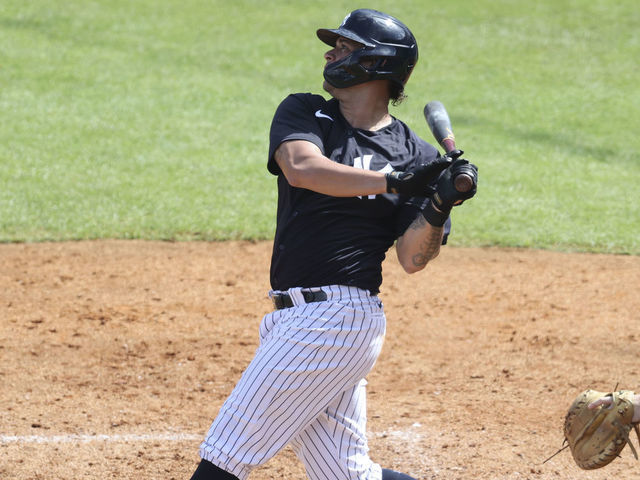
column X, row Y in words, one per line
column 283, row 300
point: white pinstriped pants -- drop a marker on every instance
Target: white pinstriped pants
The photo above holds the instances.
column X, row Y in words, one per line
column 305, row 387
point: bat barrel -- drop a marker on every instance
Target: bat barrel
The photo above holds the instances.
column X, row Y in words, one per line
column 440, row 125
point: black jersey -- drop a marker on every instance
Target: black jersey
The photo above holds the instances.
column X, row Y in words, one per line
column 325, row 240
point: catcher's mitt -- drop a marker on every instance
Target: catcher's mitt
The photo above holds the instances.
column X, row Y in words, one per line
column 597, row 436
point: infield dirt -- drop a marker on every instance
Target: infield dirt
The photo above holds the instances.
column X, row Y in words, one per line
column 116, row 355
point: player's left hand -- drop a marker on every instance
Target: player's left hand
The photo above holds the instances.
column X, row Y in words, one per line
column 415, row 181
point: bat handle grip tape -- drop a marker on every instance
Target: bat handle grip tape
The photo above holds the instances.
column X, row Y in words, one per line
column 448, row 144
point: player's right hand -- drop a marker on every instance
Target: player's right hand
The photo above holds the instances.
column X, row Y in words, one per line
column 416, row 181
column 446, row 195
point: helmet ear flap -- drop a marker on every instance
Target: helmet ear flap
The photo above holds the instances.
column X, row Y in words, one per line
column 372, row 64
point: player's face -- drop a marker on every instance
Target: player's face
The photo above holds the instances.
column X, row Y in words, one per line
column 343, row 47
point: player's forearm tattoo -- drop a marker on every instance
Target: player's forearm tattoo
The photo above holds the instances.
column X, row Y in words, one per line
column 430, row 246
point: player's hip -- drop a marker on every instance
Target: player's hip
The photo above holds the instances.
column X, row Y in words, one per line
column 330, row 308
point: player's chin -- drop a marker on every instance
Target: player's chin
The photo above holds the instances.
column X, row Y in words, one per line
column 330, row 89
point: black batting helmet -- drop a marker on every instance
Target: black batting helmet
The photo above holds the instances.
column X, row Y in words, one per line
column 387, row 42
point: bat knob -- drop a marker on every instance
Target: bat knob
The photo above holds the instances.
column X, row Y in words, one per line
column 454, row 154
column 463, row 183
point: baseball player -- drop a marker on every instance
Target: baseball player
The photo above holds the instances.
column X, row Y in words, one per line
column 352, row 181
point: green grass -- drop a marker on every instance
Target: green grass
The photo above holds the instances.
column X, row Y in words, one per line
column 145, row 119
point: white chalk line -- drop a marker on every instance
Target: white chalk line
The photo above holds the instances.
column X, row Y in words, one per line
column 150, row 437
column 77, row 438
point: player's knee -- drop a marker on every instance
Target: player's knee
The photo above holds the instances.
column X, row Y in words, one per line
column 208, row 471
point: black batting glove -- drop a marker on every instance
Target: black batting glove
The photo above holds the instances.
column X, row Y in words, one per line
column 454, row 154
column 415, row 181
column 446, row 195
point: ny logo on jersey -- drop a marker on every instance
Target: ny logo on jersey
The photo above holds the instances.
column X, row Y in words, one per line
column 364, row 163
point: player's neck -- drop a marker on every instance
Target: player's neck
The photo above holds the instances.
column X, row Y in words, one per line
column 364, row 116
column 366, row 108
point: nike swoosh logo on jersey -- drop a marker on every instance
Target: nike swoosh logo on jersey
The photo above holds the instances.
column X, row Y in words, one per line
column 319, row 114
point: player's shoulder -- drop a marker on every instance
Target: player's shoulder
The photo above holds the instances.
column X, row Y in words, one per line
column 307, row 107
column 310, row 99
column 425, row 148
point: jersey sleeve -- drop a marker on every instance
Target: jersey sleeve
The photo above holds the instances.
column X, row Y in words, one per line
column 293, row 120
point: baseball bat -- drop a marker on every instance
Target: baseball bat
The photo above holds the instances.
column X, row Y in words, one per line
column 440, row 126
